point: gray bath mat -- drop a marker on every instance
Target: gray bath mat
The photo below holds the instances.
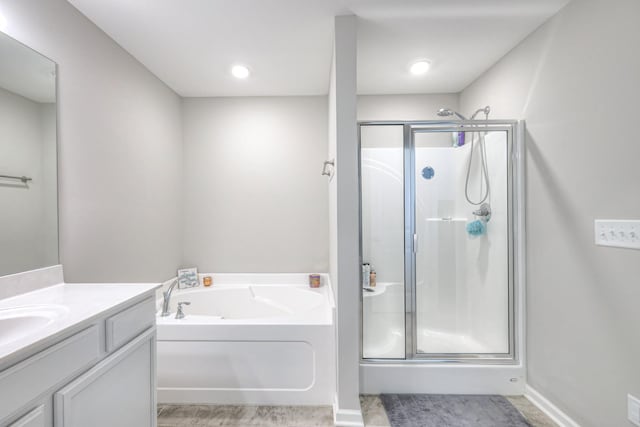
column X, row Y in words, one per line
column 436, row 410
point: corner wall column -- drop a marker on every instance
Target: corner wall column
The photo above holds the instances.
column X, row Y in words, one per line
column 344, row 221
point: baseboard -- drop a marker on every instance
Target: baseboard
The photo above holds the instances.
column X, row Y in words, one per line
column 268, row 397
column 347, row 417
column 551, row 410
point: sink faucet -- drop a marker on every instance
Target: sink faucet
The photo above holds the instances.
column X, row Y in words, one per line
column 166, row 295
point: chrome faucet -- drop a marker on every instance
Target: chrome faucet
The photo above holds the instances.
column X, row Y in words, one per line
column 167, row 298
column 179, row 312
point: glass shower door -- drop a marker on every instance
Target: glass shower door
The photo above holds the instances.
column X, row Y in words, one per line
column 437, row 227
column 461, row 251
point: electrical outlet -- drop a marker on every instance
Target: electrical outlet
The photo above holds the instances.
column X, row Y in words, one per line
column 633, row 409
column 618, row 233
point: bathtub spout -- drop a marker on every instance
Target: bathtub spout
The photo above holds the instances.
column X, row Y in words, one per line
column 166, row 295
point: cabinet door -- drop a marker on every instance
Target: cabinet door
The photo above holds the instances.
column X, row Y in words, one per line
column 119, row 391
column 35, row 418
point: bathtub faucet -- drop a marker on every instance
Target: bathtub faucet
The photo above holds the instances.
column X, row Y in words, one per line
column 166, row 295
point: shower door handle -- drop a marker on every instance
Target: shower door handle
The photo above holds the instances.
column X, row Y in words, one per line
column 415, row 243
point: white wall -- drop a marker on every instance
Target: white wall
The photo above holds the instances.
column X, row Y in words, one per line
column 120, row 149
column 575, row 81
column 382, row 187
column 27, row 212
column 255, row 200
column 405, row 107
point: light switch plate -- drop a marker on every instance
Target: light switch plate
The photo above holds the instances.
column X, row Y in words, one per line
column 633, row 405
column 618, row 233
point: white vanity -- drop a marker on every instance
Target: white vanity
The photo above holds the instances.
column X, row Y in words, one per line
column 78, row 355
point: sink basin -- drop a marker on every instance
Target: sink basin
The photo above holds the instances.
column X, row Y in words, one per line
column 19, row 322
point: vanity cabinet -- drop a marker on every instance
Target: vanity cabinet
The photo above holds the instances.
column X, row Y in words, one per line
column 118, row 391
column 102, row 376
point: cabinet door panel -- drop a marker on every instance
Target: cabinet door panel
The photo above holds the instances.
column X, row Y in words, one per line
column 125, row 325
column 119, row 391
column 47, row 370
column 34, row 418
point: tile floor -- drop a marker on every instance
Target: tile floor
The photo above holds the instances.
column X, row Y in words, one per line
column 299, row 416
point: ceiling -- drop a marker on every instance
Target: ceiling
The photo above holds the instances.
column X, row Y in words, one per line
column 26, row 72
column 287, row 44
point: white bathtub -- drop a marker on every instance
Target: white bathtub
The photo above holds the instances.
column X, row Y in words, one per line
column 249, row 339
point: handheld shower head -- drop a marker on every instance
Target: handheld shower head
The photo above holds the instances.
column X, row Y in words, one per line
column 448, row 112
column 476, row 135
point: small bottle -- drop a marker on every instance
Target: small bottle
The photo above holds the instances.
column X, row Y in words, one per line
column 372, row 279
column 366, row 275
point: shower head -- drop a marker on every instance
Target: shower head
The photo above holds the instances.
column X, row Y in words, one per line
column 448, row 112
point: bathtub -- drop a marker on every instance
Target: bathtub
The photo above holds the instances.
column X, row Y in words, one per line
column 249, row 339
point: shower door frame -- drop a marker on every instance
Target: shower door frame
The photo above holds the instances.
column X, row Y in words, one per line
column 515, row 234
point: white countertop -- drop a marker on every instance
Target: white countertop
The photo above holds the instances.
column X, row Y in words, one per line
column 75, row 305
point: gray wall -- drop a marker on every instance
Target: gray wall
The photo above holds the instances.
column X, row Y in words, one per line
column 576, row 82
column 255, row 200
column 405, row 107
column 120, row 149
column 344, row 214
column 27, row 212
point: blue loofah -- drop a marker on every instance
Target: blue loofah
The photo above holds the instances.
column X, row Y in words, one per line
column 476, row 228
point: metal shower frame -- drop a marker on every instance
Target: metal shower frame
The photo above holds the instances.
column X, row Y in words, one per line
column 515, row 202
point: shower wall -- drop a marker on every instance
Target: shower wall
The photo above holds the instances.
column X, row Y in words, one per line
column 462, row 281
column 383, row 201
column 382, row 180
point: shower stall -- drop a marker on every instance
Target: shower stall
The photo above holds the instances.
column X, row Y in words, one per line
column 441, row 242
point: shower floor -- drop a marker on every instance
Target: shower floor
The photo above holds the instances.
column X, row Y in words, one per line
column 429, row 342
column 391, row 348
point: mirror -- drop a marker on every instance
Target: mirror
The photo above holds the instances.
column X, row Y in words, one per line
column 28, row 159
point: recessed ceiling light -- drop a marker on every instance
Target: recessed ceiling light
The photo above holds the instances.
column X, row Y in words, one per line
column 420, row 67
column 240, row 71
